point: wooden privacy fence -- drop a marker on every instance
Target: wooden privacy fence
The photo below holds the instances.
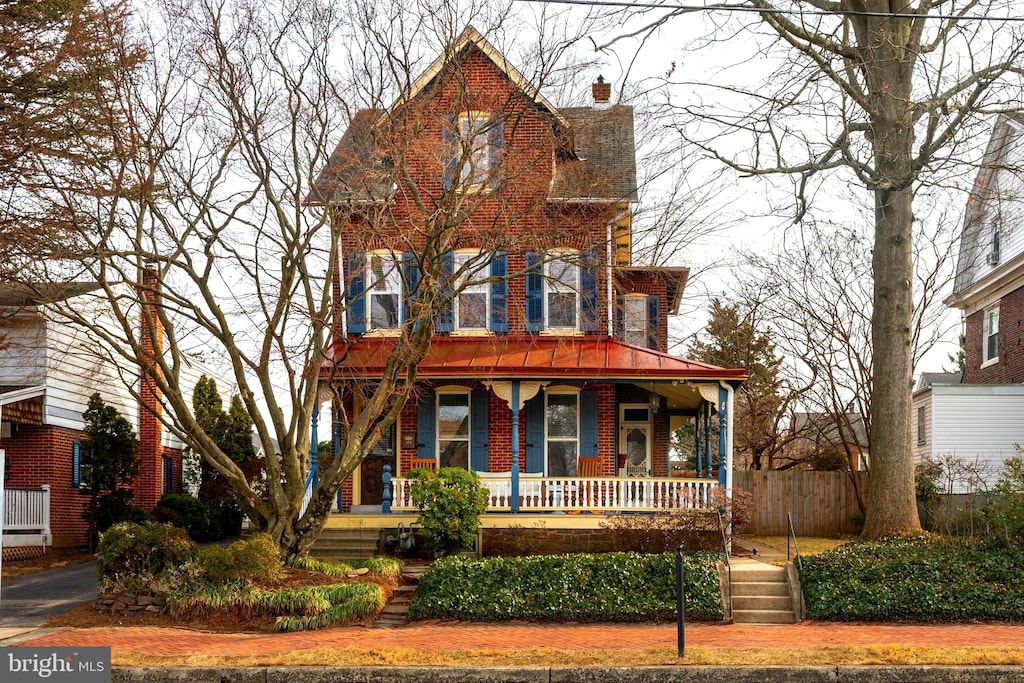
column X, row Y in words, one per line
column 821, row 502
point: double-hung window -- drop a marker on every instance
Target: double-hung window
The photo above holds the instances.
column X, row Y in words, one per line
column 562, row 429
column 634, row 319
column 453, row 428
column 476, row 148
column 563, row 291
column 384, row 290
column 472, row 301
column 990, row 335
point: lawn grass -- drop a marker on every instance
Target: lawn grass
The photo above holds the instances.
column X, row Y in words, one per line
column 553, row 657
column 809, row 545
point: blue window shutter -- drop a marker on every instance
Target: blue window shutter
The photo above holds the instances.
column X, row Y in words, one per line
column 168, row 474
column 588, row 291
column 534, row 293
column 653, row 322
column 499, row 293
column 449, row 151
column 356, row 308
column 478, row 426
column 535, row 434
column 496, row 142
column 620, row 317
column 411, row 281
column 446, row 318
column 588, row 423
column 426, row 426
column 76, row 464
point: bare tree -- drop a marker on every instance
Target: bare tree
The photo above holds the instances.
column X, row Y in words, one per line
column 885, row 95
column 223, row 238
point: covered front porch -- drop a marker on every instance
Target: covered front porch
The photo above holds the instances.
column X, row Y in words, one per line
column 553, row 426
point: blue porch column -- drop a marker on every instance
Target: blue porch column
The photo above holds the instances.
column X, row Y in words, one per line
column 515, row 445
column 723, row 460
column 707, row 438
column 696, row 442
column 314, row 447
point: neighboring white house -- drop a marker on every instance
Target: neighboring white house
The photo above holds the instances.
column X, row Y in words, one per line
column 978, row 424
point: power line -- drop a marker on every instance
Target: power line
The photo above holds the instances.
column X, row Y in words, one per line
column 684, row 9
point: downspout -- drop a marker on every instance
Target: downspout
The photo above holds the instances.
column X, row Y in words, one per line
column 608, row 268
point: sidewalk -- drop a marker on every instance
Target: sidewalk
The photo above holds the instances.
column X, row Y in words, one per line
column 450, row 636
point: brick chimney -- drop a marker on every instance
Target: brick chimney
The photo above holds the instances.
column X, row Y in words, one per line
column 148, row 484
column 602, row 91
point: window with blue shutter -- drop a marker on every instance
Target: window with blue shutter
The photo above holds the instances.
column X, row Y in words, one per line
column 496, row 142
column 356, row 297
column 168, row 474
column 479, row 423
column 588, row 291
column 620, row 317
column 446, row 318
column 426, row 428
column 499, row 293
column 449, row 152
column 534, row 293
column 653, row 320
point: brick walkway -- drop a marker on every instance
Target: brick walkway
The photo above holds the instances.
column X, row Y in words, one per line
column 459, row 636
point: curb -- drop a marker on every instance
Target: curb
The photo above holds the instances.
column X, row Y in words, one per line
column 645, row 674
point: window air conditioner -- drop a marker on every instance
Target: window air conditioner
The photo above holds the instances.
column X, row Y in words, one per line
column 992, row 258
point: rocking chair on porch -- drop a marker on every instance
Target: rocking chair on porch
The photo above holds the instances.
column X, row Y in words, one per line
column 588, row 467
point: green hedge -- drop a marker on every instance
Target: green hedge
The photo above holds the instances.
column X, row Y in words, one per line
column 609, row 587
column 915, row 579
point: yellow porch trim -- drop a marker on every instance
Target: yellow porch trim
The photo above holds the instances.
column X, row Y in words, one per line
column 488, row 521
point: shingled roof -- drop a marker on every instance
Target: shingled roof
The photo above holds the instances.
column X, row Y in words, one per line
column 353, row 172
column 606, row 168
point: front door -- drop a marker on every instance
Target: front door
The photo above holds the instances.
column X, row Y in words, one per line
column 371, row 483
column 635, row 439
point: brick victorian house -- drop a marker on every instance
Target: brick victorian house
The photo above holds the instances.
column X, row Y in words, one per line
column 980, row 416
column 48, row 371
column 548, row 372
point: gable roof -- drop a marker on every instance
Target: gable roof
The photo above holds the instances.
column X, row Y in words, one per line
column 1006, row 137
column 606, row 151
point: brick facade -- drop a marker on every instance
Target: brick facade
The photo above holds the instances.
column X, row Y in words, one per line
column 1010, row 367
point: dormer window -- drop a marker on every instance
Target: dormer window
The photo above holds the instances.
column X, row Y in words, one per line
column 473, row 145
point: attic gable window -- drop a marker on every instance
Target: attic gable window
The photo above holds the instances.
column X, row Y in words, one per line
column 473, row 145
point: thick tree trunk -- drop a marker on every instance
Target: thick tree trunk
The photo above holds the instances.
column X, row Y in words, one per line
column 891, row 505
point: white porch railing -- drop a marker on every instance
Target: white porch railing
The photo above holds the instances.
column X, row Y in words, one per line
column 547, row 494
column 26, row 511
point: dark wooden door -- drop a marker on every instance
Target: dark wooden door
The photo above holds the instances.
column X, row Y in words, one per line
column 371, row 484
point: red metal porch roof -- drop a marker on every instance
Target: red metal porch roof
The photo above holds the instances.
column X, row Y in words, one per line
column 591, row 357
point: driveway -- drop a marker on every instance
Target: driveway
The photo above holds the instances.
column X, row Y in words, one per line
column 29, row 601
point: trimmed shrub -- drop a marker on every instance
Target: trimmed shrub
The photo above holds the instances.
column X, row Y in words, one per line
column 609, row 587
column 917, row 578
column 251, row 559
column 144, row 558
column 450, row 501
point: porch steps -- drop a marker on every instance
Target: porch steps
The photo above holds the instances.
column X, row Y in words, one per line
column 341, row 544
column 761, row 594
column 396, row 612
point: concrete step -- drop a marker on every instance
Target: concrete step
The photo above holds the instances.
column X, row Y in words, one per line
column 763, row 616
column 740, row 588
column 761, row 602
column 405, row 589
column 763, row 574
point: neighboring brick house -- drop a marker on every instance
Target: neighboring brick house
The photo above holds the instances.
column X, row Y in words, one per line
column 562, row 318
column 55, row 368
column 981, row 417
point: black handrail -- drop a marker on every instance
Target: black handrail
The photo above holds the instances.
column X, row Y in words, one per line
column 728, row 564
column 792, row 535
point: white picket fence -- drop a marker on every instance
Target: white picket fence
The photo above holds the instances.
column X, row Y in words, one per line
column 27, row 515
column 547, row 494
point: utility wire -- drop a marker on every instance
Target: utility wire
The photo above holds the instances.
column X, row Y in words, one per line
column 684, row 9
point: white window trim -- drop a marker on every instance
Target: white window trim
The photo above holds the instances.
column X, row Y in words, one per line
column 560, row 391
column 572, row 258
column 449, row 391
column 481, row 271
column 396, row 259
column 986, row 333
column 625, row 318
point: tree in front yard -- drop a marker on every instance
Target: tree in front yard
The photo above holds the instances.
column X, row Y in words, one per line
column 109, row 456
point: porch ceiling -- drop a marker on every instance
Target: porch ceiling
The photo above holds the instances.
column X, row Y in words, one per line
column 522, row 357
